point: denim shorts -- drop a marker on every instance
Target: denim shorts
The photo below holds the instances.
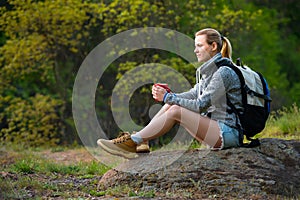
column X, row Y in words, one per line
column 230, row 136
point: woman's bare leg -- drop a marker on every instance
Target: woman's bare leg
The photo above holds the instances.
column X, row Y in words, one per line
column 201, row 128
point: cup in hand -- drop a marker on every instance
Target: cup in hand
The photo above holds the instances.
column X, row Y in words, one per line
column 163, row 85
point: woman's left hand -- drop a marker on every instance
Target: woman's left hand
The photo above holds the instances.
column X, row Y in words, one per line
column 158, row 92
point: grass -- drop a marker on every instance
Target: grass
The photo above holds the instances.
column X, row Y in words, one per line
column 284, row 124
column 28, row 175
column 31, row 164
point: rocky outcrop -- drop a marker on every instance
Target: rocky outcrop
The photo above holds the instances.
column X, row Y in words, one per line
column 269, row 171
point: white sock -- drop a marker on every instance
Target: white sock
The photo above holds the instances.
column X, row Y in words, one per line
column 137, row 138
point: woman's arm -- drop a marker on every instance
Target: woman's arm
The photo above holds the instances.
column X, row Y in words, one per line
column 191, row 94
column 214, row 92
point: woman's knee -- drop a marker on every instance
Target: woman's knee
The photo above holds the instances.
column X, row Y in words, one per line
column 174, row 112
column 166, row 107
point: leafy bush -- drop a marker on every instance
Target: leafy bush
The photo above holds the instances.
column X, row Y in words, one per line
column 32, row 122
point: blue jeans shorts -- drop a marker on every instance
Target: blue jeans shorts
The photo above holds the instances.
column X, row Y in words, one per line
column 230, row 136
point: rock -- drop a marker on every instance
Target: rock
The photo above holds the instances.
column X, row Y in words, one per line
column 270, row 170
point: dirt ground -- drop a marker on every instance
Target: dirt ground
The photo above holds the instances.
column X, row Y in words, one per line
column 71, row 156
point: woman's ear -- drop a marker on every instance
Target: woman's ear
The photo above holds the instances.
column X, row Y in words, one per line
column 214, row 46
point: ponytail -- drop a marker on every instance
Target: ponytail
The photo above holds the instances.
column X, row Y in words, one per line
column 226, row 50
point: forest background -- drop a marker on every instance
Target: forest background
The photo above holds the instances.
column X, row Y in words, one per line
column 43, row 44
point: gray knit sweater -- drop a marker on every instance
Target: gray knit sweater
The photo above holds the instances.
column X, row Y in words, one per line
column 209, row 94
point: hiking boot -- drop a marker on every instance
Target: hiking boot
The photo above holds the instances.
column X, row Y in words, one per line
column 122, row 145
column 143, row 147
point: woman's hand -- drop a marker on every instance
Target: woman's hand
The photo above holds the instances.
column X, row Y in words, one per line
column 158, row 93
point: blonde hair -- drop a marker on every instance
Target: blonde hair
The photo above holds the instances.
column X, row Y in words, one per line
column 223, row 44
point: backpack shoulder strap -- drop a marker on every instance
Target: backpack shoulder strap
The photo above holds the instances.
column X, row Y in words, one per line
column 242, row 81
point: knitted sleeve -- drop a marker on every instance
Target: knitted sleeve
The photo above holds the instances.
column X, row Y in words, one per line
column 223, row 80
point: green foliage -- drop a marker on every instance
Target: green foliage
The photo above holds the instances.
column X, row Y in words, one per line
column 284, row 123
column 32, row 122
column 287, row 12
column 23, row 59
column 35, row 67
column 121, row 15
column 51, row 19
column 41, row 35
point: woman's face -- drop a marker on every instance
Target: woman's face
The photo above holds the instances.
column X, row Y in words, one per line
column 203, row 50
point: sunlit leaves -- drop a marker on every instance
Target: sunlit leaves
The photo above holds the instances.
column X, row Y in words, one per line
column 33, row 122
column 122, row 15
column 22, row 57
column 42, row 36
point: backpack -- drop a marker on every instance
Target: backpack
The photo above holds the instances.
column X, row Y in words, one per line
column 256, row 101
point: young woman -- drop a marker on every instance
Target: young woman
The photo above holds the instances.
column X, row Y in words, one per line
column 202, row 110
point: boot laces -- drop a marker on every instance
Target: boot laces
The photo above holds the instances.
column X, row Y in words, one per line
column 122, row 137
